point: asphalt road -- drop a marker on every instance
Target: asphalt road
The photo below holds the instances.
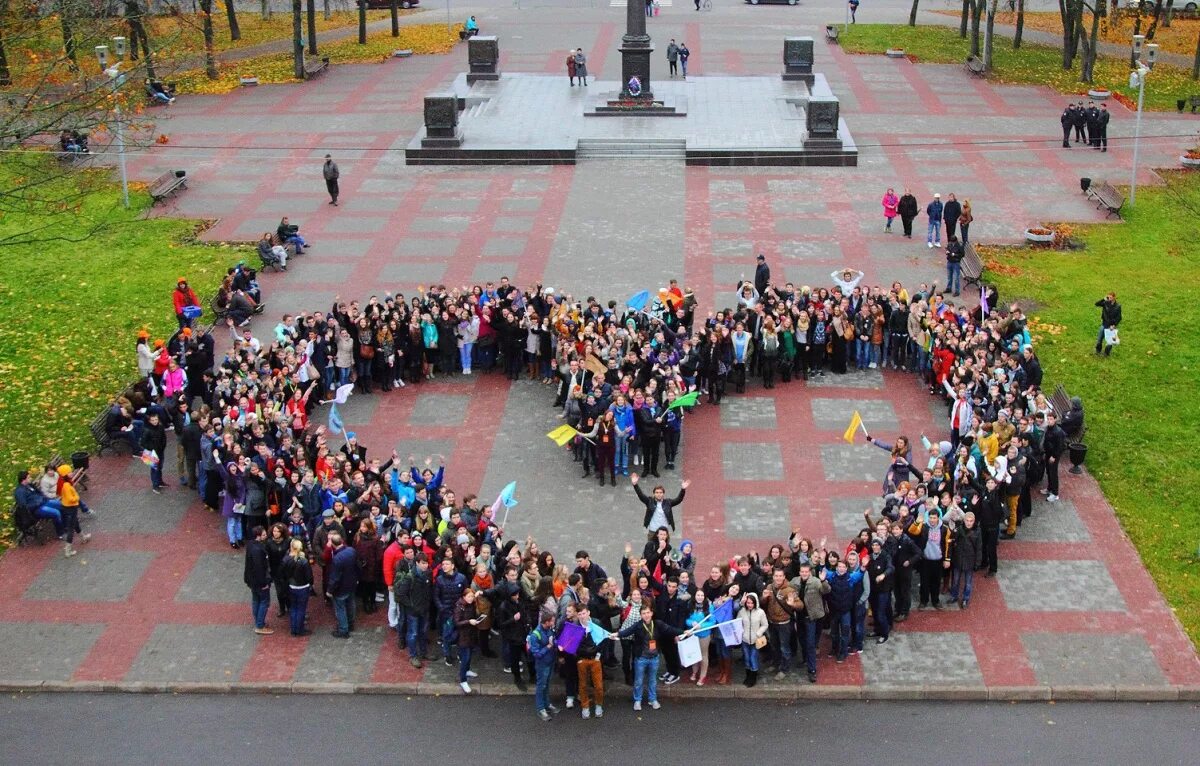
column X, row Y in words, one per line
column 135, row 729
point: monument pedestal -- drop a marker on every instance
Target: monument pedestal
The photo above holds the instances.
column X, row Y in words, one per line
column 441, row 122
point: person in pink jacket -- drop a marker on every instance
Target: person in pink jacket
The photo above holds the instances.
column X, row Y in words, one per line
column 174, row 379
column 890, row 203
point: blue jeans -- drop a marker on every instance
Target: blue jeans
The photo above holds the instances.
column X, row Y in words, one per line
column 343, row 375
column 298, row 241
column 541, row 690
column 863, row 356
column 621, row 455
column 954, row 277
column 52, row 509
column 808, row 632
column 935, row 233
column 201, row 481
column 449, row 632
column 781, row 639
column 156, row 479
column 260, row 602
column 327, row 376
column 858, row 626
column 233, row 528
column 840, row 632
column 881, row 608
column 464, row 355
column 750, row 655
column 298, row 608
column 965, row 578
column 417, row 634
column 645, row 671
column 343, row 611
column 464, row 662
column 876, row 353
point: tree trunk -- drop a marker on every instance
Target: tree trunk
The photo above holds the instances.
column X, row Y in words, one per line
column 989, row 36
column 912, row 15
column 266, row 9
column 5, row 75
column 1020, row 24
column 977, row 8
column 235, row 33
column 395, row 19
column 362, row 22
column 1168, row 12
column 1088, row 64
column 311, row 6
column 210, row 58
column 328, row 12
column 962, row 24
column 1158, row 11
column 68, row 37
column 297, row 39
column 1066, row 11
column 139, row 36
column 1196, row 60
column 1137, row 30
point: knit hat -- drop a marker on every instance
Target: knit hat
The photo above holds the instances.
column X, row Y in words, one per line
column 143, row 334
column 63, row 470
column 159, row 343
column 327, row 514
column 187, row 332
column 876, row 541
column 181, row 281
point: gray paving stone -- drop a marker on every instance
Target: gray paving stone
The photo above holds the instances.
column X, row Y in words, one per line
column 462, row 185
column 920, row 659
column 420, row 449
column 426, row 247
column 293, row 300
column 1092, row 659
column 1058, row 586
column 848, row 514
column 386, row 186
column 748, row 412
column 866, row 379
column 412, row 273
column 730, row 225
column 450, row 205
column 733, row 248
column 356, row 225
column 197, row 653
column 368, row 203
column 1054, row 523
column 751, row 461
column 38, row 651
column 503, row 246
column 215, row 577
column 529, row 185
column 810, row 250
column 450, row 224
column 343, row 248
column 726, row 186
column 93, row 575
column 519, row 224
column 334, row 273
column 357, row 411
column 135, row 510
column 853, row 462
column 811, row 227
column 489, row 271
column 346, row 660
column 834, row 414
column 757, row 517
column 290, row 205
column 521, row 205
column 440, row 410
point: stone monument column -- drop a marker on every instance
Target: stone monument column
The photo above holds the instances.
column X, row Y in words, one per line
column 635, row 51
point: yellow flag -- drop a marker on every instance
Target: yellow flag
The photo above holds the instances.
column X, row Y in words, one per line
column 855, row 424
column 562, row 435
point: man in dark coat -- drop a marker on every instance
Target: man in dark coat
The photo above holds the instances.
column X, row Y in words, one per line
column 1110, row 317
column 1067, row 120
column 258, row 579
column 154, row 439
column 1054, row 444
column 908, row 211
column 1102, row 127
column 1080, row 122
column 659, row 510
column 343, row 584
column 1092, row 120
column 762, row 274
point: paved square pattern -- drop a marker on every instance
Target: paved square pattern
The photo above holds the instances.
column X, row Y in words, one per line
column 923, row 659
column 158, row 595
column 1059, row 586
column 1091, row 659
column 751, row 461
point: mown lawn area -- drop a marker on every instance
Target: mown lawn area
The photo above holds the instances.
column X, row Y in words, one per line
column 70, row 311
column 1141, row 403
column 1030, row 65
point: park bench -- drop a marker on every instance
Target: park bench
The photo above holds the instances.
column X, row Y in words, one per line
column 104, row 440
column 167, row 184
column 831, row 33
column 971, row 265
column 1060, row 400
column 975, row 66
column 151, row 94
column 1106, row 196
column 314, row 69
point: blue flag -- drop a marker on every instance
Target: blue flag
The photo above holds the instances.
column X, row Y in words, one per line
column 638, row 301
column 723, row 613
column 335, row 420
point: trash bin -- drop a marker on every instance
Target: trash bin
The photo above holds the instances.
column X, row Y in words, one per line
column 80, row 460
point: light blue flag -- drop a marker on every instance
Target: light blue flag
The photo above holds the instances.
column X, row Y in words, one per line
column 638, row 301
column 597, row 633
column 335, row 420
column 506, row 495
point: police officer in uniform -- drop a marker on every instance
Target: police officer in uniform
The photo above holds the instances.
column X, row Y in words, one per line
column 1102, row 125
column 1067, row 120
column 1093, row 126
column 1080, row 121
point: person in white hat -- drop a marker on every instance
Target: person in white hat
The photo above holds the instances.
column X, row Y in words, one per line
column 934, row 211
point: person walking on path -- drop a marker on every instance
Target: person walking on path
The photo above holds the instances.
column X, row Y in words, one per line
column 907, row 209
column 258, row 579
column 571, row 67
column 1110, row 317
column 673, row 57
column 964, row 221
column 934, row 210
column 891, row 203
column 684, row 54
column 581, row 66
column 540, row 645
column 343, row 584
column 331, row 173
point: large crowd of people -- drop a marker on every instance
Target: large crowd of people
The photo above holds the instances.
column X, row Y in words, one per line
column 317, row 514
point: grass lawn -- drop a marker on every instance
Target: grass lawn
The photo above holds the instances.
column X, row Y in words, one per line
column 1031, row 65
column 1180, row 37
column 70, row 312
column 277, row 68
column 1140, row 403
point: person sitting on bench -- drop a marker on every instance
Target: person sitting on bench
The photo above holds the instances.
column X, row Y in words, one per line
column 272, row 255
column 157, row 91
column 470, row 29
column 73, row 141
column 288, row 232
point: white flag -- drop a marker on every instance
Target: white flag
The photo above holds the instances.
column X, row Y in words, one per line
column 343, row 393
column 731, row 632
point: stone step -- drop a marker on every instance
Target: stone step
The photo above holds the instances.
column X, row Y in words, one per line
column 632, row 149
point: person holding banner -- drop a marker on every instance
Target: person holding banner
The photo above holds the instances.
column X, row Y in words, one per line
column 645, row 636
column 588, row 667
column 541, row 648
column 696, row 622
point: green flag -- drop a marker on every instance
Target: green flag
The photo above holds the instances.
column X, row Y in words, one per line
column 687, row 400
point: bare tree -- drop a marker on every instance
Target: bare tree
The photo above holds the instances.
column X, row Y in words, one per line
column 210, row 56
column 989, row 35
column 1196, row 60
column 1070, row 11
column 1157, row 14
column 5, row 74
column 297, row 39
column 311, row 10
column 235, row 32
column 912, row 15
column 962, row 24
column 266, row 9
column 65, row 21
column 1020, row 24
column 362, row 22
column 1168, row 12
column 138, row 34
column 1091, row 42
column 977, row 9
column 328, row 10
column 395, row 19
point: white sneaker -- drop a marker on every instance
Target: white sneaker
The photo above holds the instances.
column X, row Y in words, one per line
column 570, row 703
column 872, row 365
column 930, row 244
column 637, row 706
column 466, row 687
column 472, row 674
column 83, row 538
column 655, row 705
column 68, row 551
column 599, row 711
column 401, row 382
column 1051, row 498
column 586, row 713
column 466, row 372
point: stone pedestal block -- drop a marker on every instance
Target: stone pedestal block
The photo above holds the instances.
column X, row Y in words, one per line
column 483, row 58
column 821, row 121
column 798, row 58
column 441, row 121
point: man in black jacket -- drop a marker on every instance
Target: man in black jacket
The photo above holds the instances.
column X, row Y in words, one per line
column 575, row 377
column 1054, row 443
column 990, row 513
column 258, row 579
column 659, row 510
column 907, row 556
column 1092, row 119
column 672, row 607
column 908, row 211
column 1067, row 120
column 413, row 590
column 513, row 624
column 1080, row 121
column 1100, row 141
column 1110, row 317
column 762, row 274
column 154, row 439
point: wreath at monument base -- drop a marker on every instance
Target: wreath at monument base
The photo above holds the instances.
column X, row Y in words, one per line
column 634, row 86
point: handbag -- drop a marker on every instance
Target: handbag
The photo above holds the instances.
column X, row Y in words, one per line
column 760, row 642
column 367, row 352
column 848, row 331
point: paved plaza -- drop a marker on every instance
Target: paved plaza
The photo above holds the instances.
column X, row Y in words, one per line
column 157, row 596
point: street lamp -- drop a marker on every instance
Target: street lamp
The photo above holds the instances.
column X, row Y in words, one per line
column 1137, row 79
column 117, row 78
